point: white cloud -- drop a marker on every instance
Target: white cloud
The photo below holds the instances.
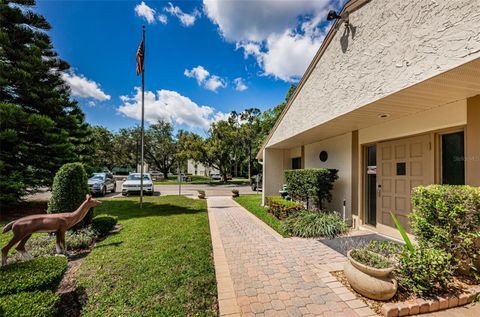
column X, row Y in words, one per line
column 240, row 84
column 204, row 79
column 91, row 103
column 83, row 87
column 170, row 106
column 283, row 36
column 142, row 10
column 199, row 73
column 163, row 18
column 187, row 19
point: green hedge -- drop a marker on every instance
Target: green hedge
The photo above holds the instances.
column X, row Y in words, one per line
column 282, row 208
column 425, row 271
column 310, row 224
column 70, row 187
column 311, row 185
column 102, row 224
column 447, row 217
column 27, row 304
column 39, row 274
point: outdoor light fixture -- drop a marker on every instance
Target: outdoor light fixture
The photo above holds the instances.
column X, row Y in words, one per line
column 332, row 15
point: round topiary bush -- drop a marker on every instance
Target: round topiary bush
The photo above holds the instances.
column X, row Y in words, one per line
column 38, row 274
column 102, row 224
column 70, row 186
column 38, row 304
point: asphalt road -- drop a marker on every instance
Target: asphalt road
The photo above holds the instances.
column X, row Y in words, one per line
column 189, row 190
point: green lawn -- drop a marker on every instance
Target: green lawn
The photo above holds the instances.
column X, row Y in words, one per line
column 253, row 203
column 159, row 264
column 197, row 179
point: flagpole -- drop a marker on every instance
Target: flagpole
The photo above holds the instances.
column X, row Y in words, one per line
column 143, row 121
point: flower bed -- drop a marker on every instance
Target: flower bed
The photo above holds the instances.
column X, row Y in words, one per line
column 282, row 208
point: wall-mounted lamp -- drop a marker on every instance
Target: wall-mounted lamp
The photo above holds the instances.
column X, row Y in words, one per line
column 332, row 15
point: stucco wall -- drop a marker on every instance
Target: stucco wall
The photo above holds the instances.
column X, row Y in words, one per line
column 339, row 151
column 274, row 161
column 395, row 45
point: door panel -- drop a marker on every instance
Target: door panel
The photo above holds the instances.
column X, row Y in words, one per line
column 402, row 165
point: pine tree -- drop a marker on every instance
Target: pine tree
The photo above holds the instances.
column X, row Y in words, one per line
column 31, row 86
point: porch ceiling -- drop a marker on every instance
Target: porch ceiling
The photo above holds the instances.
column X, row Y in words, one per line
column 456, row 84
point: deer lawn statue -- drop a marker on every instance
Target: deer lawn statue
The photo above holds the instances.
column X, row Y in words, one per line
column 59, row 223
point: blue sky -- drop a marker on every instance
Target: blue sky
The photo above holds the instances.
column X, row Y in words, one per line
column 203, row 58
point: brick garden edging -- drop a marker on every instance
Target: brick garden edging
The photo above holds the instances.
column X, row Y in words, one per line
column 420, row 306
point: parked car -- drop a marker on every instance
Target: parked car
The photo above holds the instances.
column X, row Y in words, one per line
column 132, row 184
column 256, row 182
column 229, row 177
column 216, row 177
column 157, row 176
column 100, row 183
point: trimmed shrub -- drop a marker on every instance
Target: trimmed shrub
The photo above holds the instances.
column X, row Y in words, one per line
column 102, row 224
column 70, row 187
column 309, row 224
column 424, row 271
column 448, row 217
column 38, row 274
column 311, row 184
column 26, row 304
column 282, row 208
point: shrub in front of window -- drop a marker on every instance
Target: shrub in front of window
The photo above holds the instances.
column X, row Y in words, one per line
column 447, row 217
column 282, row 208
column 312, row 185
column 70, row 186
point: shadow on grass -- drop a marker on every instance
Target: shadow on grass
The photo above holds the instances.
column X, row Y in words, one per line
column 128, row 208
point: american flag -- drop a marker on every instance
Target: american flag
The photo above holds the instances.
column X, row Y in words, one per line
column 140, row 56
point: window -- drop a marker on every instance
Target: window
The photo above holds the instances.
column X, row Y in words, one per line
column 296, row 163
column 453, row 158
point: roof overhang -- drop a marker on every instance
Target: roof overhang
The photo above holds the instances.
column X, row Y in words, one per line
column 456, row 84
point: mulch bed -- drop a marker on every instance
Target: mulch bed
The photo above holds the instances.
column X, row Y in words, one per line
column 457, row 287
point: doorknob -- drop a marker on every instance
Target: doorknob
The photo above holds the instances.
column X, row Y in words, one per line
column 379, row 189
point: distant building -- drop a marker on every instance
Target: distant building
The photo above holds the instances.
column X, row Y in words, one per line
column 196, row 168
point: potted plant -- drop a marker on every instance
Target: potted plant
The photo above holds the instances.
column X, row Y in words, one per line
column 201, row 194
column 369, row 274
column 235, row 193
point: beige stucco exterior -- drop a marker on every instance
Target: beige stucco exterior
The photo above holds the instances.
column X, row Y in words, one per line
column 396, row 44
column 417, row 63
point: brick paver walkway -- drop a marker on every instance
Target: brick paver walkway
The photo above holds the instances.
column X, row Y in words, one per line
column 259, row 273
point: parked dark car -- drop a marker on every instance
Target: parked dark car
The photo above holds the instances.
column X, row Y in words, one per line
column 101, row 183
column 256, row 182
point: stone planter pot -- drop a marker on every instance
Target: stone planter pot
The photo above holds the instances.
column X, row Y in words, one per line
column 201, row 194
column 379, row 286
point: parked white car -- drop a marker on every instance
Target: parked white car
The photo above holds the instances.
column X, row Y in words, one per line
column 132, row 184
column 156, row 175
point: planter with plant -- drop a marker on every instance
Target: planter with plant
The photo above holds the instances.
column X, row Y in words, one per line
column 235, row 193
column 370, row 274
column 201, row 194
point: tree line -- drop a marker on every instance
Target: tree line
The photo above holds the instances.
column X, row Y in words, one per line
column 42, row 127
column 230, row 145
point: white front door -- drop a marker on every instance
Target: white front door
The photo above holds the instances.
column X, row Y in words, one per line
column 401, row 165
